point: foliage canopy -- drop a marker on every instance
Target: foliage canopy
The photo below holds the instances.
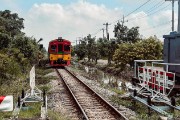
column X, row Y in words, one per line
column 147, row 49
column 17, row 51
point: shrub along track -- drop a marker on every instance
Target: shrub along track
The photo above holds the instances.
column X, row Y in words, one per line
column 86, row 103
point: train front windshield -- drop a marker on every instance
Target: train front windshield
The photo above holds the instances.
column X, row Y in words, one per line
column 53, row 48
column 60, row 48
column 66, row 47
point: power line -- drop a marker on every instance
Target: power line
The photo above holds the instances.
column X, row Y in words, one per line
column 161, row 32
column 148, row 11
column 152, row 14
column 96, row 32
column 155, row 6
column 159, row 10
column 138, row 8
column 164, row 32
column 148, row 14
column 134, row 10
column 151, row 9
column 164, row 23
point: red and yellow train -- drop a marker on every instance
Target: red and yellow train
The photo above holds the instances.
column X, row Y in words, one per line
column 59, row 52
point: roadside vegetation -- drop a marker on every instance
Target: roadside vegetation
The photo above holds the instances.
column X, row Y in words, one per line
column 18, row 53
column 119, row 52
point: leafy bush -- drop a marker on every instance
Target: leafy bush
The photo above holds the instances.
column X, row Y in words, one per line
column 9, row 69
column 147, row 49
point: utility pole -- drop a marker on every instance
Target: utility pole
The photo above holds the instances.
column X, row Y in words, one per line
column 173, row 14
column 123, row 21
column 178, row 16
column 78, row 39
column 103, row 32
column 107, row 33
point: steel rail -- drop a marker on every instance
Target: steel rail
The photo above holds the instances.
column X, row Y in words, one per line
column 73, row 96
column 99, row 97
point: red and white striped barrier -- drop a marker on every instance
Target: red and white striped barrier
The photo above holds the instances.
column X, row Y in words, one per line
column 158, row 81
column 6, row 103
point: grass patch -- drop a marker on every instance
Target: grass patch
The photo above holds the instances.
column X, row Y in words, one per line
column 32, row 110
column 119, row 92
column 45, row 87
column 15, row 88
column 56, row 116
column 43, row 71
column 41, row 78
column 140, row 109
column 5, row 115
column 119, row 101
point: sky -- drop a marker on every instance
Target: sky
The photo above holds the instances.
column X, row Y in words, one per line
column 75, row 19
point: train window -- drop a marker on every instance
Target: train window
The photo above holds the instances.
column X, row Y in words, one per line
column 60, row 47
column 53, row 48
column 66, row 47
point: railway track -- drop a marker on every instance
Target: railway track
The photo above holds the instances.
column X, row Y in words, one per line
column 65, row 100
column 86, row 103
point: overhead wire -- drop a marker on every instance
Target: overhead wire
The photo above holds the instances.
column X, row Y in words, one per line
column 160, row 3
column 138, row 8
column 148, row 14
column 96, row 32
column 161, row 32
column 133, row 11
column 156, row 6
column 164, row 23
column 160, row 9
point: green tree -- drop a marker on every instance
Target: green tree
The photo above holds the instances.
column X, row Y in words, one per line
column 91, row 47
column 111, row 49
column 17, row 51
column 120, row 32
column 106, row 48
column 9, row 69
column 148, row 49
column 102, row 44
column 5, row 40
column 10, row 26
column 133, row 35
column 28, row 46
column 80, row 49
column 10, row 23
column 124, row 34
